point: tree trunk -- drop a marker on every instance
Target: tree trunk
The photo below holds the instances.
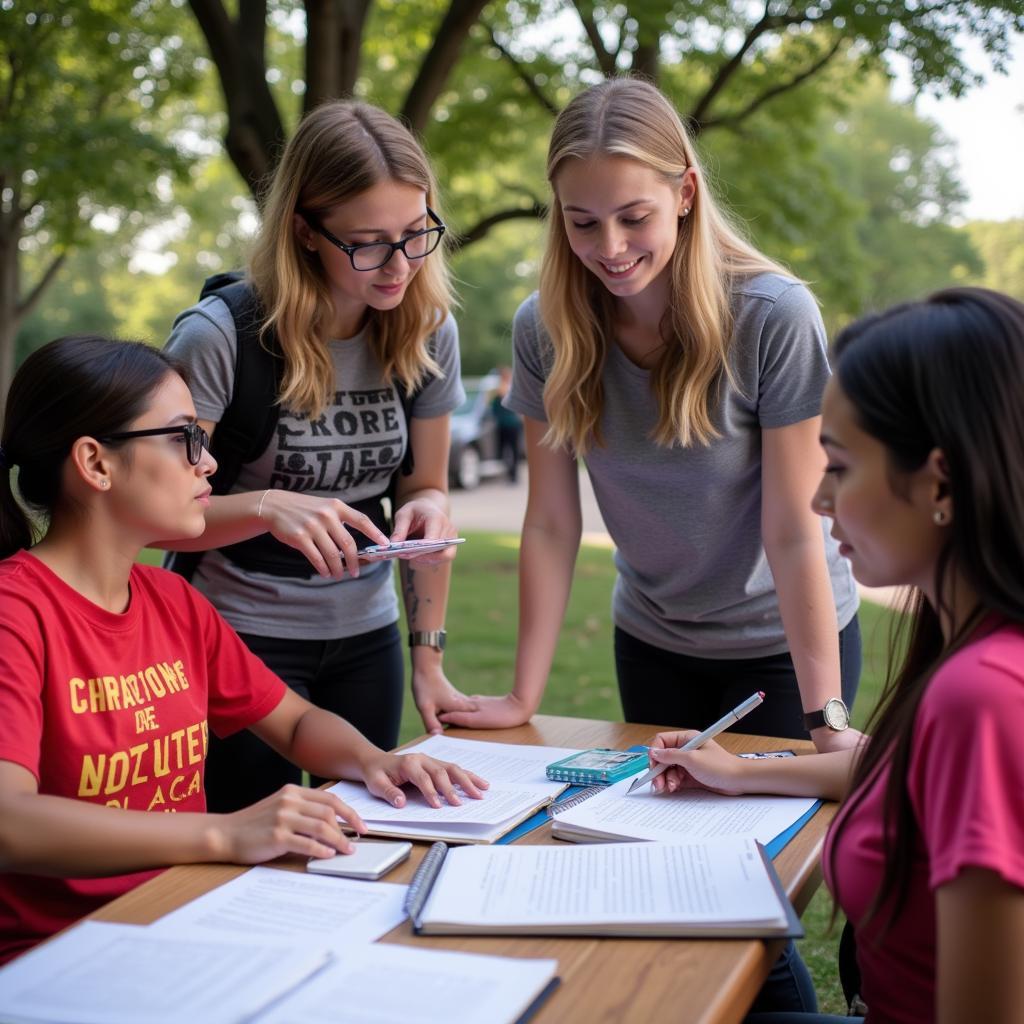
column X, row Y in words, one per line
column 255, row 132
column 439, row 60
column 10, row 320
column 334, row 39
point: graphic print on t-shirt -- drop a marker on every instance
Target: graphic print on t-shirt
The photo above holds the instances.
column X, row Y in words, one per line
column 357, row 441
column 149, row 738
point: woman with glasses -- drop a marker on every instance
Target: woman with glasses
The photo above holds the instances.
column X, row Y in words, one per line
column 114, row 674
column 352, row 290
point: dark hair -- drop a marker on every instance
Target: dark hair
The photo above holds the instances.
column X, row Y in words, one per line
column 69, row 388
column 945, row 373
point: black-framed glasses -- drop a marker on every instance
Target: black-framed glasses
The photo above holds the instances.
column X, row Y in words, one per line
column 373, row 255
column 196, row 439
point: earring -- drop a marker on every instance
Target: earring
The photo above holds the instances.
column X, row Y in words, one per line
column 939, row 517
column 104, row 483
column 686, row 210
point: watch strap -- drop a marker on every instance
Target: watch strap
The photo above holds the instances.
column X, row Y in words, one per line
column 428, row 638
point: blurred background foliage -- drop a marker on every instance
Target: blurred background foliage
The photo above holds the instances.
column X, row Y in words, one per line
column 136, row 133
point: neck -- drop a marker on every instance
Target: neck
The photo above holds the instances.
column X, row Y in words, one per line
column 959, row 603
column 348, row 318
column 90, row 556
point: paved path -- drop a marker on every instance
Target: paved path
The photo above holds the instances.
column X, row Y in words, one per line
column 498, row 506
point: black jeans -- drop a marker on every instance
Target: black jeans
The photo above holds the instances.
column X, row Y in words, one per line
column 361, row 678
column 665, row 688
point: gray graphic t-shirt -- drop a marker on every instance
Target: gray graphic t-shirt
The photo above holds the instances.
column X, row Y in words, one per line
column 348, row 452
column 693, row 574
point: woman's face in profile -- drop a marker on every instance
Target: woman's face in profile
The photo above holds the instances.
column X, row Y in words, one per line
column 890, row 538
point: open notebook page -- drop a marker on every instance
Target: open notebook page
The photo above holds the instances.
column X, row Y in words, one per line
column 690, row 813
column 718, row 881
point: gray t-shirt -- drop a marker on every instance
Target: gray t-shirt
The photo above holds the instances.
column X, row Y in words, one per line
column 693, row 574
column 348, row 452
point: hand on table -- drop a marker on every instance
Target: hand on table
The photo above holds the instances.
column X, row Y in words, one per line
column 491, row 713
column 434, row 694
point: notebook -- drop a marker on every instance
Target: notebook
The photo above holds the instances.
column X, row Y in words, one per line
column 714, row 888
column 609, row 815
column 519, row 788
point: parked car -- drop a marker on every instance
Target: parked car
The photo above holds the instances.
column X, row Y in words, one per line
column 474, row 444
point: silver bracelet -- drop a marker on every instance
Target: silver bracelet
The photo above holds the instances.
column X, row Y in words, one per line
column 259, row 507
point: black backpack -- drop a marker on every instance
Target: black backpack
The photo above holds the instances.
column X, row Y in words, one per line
column 247, row 427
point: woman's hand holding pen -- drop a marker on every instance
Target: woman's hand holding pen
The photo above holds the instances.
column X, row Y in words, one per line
column 319, row 528
column 708, row 767
column 385, row 773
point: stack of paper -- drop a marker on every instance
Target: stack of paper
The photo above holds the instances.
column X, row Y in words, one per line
column 717, row 887
column 99, row 973
column 612, row 816
column 518, row 788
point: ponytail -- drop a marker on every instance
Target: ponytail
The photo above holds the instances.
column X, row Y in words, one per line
column 69, row 388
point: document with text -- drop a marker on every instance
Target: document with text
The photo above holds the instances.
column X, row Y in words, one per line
column 333, row 912
column 403, row 985
column 99, row 973
column 611, row 815
column 503, row 806
column 702, row 888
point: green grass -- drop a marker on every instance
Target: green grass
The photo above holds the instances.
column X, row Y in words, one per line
column 481, row 622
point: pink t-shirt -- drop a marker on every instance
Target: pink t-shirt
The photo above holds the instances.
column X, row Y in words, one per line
column 966, row 785
column 112, row 709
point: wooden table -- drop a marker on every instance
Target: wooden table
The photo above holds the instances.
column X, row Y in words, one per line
column 609, row 980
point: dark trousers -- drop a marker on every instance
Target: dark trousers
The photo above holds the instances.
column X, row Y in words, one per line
column 670, row 689
column 361, row 678
column 665, row 688
column 508, row 448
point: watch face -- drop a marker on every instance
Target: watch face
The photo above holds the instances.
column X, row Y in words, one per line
column 836, row 715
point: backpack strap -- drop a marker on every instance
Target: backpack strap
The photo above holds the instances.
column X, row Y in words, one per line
column 248, row 421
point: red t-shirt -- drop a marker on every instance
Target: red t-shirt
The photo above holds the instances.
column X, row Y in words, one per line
column 966, row 785
column 112, row 709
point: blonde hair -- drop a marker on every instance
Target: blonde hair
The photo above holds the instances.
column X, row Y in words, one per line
column 628, row 117
column 339, row 151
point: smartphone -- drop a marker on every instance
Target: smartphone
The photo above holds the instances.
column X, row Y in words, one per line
column 370, row 860
column 376, row 552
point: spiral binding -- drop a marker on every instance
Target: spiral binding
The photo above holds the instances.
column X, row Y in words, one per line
column 574, row 801
column 423, row 881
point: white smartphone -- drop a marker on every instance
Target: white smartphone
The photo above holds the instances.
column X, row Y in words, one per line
column 370, row 860
column 375, row 552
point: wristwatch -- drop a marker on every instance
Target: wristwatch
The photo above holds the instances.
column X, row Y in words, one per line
column 429, row 638
column 835, row 714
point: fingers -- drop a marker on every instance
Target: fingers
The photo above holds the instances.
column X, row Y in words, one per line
column 469, row 782
column 428, row 712
column 676, row 738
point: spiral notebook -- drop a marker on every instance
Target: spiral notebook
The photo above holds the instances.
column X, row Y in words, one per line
column 713, row 888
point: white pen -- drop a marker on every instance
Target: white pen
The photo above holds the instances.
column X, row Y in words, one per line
column 701, row 738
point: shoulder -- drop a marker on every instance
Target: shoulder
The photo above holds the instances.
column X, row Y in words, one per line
column 18, row 582
column 167, row 589
column 207, row 322
column 446, row 337
column 984, row 678
column 527, row 320
column 775, row 296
